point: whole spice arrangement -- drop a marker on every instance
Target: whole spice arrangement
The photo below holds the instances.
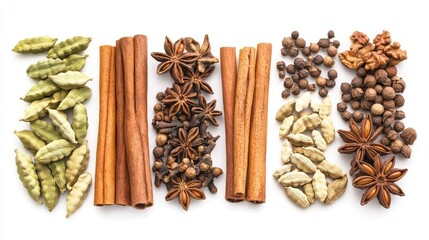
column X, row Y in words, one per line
column 183, row 149
column 302, row 69
column 370, row 172
column 246, row 120
column 61, row 153
column 123, row 163
column 377, row 89
column 303, row 154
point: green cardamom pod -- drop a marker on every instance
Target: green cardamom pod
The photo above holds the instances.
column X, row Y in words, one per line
column 45, row 68
column 54, row 151
column 58, row 170
column 76, row 165
column 78, row 194
column 70, row 80
column 27, row 174
column 36, row 109
column 41, row 89
column 50, row 190
column 57, row 98
column 75, row 62
column 70, row 46
column 80, row 122
column 59, row 119
column 45, row 131
column 30, row 140
column 34, row 45
column 78, row 95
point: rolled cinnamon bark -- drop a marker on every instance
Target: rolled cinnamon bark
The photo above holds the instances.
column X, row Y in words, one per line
column 122, row 196
column 110, row 149
column 228, row 65
column 258, row 132
column 242, row 112
column 140, row 53
column 105, row 54
column 132, row 135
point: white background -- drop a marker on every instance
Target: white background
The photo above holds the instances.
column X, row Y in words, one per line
column 230, row 23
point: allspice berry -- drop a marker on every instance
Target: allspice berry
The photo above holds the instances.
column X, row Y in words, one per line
column 370, row 94
column 290, row 69
column 369, row 81
column 345, row 87
column 323, row 92
column 311, row 87
column 332, row 51
column 331, row 34
column 330, row 83
column 161, row 140
column 365, row 104
column 389, row 104
column 399, row 101
column 406, row 151
column 318, row 59
column 392, row 135
column 295, row 89
column 288, row 83
column 377, row 121
column 321, row 81
column 361, row 72
column 346, row 115
column 158, row 152
column 306, row 51
column 282, row 74
column 303, row 83
column 160, row 96
column 378, row 99
column 391, row 71
column 284, row 52
column 380, row 75
column 358, row 116
column 332, row 74
column 399, row 115
column 409, row 135
column 294, row 34
column 357, row 93
column 355, row 105
column 378, row 88
column 328, row 61
column 157, row 107
column 385, row 141
column 286, row 93
column 300, row 42
column 341, row 106
column 281, row 66
column 357, row 82
column 386, row 82
column 323, row 43
column 346, row 97
column 295, row 77
column 396, row 146
column 299, row 63
column 314, row 71
column 314, row 47
column 377, row 109
column 399, row 126
column 287, row 42
column 303, row 73
column 293, row 52
column 336, row 43
column 399, row 86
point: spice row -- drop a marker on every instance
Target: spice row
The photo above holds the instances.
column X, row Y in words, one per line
column 184, row 114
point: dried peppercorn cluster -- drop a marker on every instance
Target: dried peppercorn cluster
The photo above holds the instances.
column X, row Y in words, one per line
column 377, row 88
column 183, row 145
column 300, row 70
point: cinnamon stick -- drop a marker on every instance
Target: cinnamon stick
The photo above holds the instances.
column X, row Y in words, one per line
column 132, row 135
column 258, row 133
column 110, row 149
column 242, row 112
column 122, row 186
column 105, row 53
column 140, row 60
column 228, row 65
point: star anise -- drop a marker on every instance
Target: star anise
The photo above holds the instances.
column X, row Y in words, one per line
column 379, row 180
column 180, row 99
column 185, row 142
column 207, row 110
column 174, row 59
column 196, row 79
column 205, row 57
column 361, row 142
column 185, row 190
